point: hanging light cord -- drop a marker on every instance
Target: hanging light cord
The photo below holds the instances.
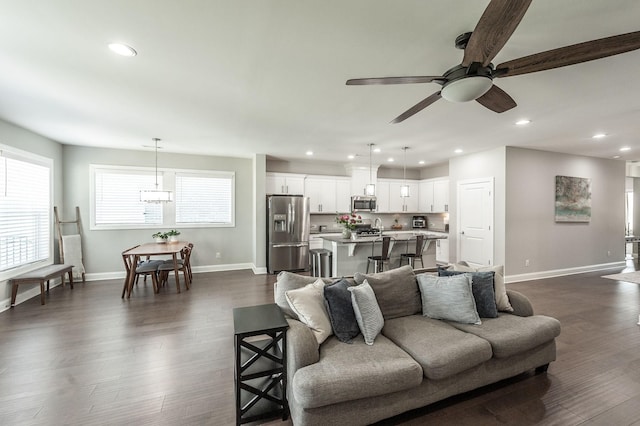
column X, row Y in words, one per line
column 156, row 141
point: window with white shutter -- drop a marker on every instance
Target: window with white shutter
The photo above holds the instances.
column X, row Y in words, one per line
column 25, row 208
column 205, row 198
column 116, row 198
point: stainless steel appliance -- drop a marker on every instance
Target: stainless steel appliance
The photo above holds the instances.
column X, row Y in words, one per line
column 362, row 203
column 419, row 222
column 287, row 233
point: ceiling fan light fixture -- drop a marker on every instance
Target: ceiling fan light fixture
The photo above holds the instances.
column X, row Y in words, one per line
column 466, row 89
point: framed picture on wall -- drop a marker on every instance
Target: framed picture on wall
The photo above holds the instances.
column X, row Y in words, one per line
column 573, row 199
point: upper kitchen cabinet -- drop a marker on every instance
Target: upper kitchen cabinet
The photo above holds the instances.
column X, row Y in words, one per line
column 389, row 199
column 328, row 194
column 284, row 183
column 434, row 196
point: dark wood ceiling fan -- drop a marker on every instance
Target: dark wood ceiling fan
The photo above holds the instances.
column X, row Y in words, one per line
column 473, row 78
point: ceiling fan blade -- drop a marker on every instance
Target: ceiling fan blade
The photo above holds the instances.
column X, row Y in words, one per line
column 395, row 80
column 416, row 108
column 498, row 22
column 497, row 100
column 569, row 55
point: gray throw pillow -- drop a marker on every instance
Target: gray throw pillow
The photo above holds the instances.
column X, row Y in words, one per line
column 340, row 308
column 483, row 293
column 448, row 298
column 289, row 281
column 396, row 291
column 368, row 314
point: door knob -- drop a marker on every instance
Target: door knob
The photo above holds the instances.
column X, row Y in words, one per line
column 462, row 233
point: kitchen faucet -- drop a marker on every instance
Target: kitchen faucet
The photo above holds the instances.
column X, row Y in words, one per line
column 378, row 224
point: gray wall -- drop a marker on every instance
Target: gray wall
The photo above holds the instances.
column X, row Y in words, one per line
column 485, row 164
column 260, row 214
column 532, row 232
column 102, row 248
column 28, row 141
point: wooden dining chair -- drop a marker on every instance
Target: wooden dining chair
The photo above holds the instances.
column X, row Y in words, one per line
column 147, row 267
column 184, row 265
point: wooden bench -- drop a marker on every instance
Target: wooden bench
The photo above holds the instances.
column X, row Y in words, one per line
column 40, row 275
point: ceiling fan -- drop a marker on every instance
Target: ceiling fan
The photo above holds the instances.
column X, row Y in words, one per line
column 473, row 78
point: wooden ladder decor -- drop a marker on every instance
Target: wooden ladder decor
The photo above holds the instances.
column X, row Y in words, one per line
column 78, row 224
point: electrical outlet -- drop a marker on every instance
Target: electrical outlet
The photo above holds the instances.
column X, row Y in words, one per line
column 526, row 262
column 218, row 255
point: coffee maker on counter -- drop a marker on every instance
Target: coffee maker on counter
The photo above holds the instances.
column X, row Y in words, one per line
column 419, row 222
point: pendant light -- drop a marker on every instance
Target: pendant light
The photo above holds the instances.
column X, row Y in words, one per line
column 156, row 195
column 404, row 189
column 370, row 189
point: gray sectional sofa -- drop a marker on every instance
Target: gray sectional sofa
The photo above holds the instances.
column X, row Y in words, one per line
column 413, row 362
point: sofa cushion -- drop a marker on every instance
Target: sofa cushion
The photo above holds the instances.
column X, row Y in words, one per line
column 349, row 372
column 449, row 298
column 289, row 281
column 396, row 291
column 502, row 300
column 337, row 299
column 483, row 292
column 510, row 334
column 308, row 304
column 441, row 350
column 368, row 315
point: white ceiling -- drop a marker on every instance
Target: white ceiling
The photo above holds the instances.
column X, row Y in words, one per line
column 238, row 77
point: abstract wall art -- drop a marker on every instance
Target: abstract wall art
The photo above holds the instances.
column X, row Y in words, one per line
column 573, row 199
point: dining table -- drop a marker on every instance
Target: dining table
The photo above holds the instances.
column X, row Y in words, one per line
column 149, row 250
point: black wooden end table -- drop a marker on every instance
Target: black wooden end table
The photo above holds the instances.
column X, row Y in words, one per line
column 261, row 363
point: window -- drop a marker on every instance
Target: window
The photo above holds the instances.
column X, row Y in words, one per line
column 25, row 206
column 117, row 198
column 204, row 199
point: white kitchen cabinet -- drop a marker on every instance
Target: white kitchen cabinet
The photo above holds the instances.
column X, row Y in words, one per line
column 441, row 195
column 343, row 195
column 284, row 183
column 434, row 196
column 442, row 251
column 322, row 194
column 382, row 197
column 392, row 202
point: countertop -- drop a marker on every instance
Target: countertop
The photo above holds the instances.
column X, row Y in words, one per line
column 397, row 235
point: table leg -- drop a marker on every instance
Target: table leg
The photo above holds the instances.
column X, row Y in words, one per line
column 175, row 271
column 14, row 293
column 42, row 291
column 70, row 278
column 132, row 275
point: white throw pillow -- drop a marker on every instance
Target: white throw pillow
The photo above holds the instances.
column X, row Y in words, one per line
column 368, row 313
column 502, row 300
column 308, row 303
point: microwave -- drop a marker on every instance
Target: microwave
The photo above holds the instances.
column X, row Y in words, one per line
column 360, row 203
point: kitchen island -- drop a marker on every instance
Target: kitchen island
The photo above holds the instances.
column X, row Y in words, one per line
column 350, row 255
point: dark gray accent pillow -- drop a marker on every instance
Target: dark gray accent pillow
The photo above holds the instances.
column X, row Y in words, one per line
column 483, row 291
column 337, row 299
column 396, row 291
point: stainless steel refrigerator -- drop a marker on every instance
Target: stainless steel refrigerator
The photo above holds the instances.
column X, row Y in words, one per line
column 287, row 233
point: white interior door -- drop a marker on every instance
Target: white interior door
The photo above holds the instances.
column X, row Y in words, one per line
column 475, row 221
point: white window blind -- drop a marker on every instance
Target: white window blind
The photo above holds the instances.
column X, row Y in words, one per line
column 117, row 198
column 205, row 198
column 25, row 204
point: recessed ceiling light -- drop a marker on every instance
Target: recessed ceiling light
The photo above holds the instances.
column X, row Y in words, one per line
column 625, row 148
column 309, row 153
column 421, row 162
column 351, row 156
column 523, row 122
column 390, row 160
column 616, row 156
column 376, row 150
column 458, row 151
column 599, row 135
column 122, row 49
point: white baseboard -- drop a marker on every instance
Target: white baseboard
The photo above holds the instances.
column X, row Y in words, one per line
column 259, row 270
column 562, row 272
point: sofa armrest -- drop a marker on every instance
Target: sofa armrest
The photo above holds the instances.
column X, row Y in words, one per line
column 520, row 303
column 302, row 347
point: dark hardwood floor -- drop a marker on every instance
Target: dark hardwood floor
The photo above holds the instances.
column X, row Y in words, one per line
column 88, row 357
